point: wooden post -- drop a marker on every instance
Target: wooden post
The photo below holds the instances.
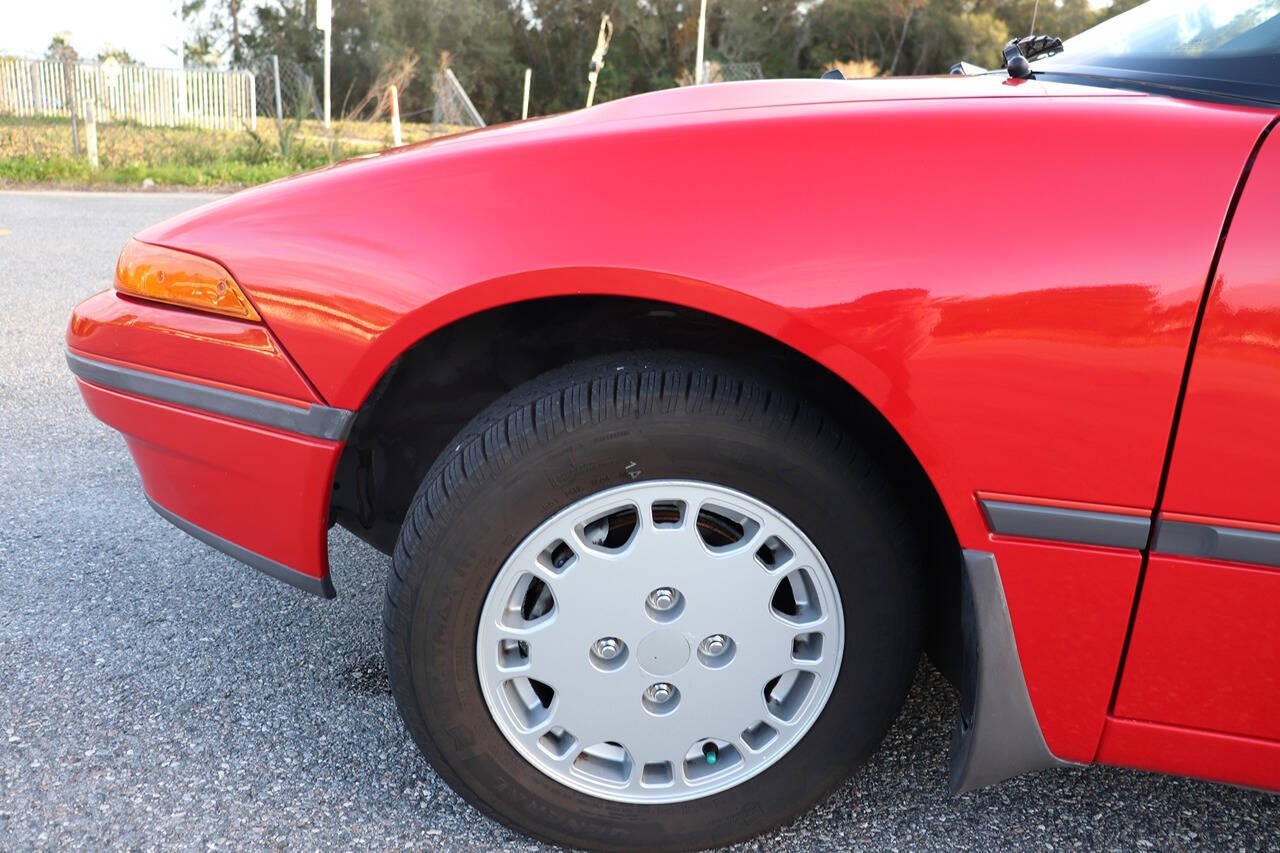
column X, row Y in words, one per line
column 528, row 78
column 68, row 80
column 395, row 114
column 324, row 21
column 91, row 133
column 182, row 82
column 253, row 100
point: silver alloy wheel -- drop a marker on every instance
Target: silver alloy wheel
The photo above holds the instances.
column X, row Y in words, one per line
column 660, row 641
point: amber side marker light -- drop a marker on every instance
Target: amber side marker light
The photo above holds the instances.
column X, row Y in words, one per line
column 179, row 278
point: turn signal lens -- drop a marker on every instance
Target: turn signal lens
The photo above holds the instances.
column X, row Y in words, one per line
column 179, row 278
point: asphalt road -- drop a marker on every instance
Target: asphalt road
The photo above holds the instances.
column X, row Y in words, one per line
column 154, row 693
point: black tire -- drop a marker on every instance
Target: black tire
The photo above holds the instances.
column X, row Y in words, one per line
column 587, row 427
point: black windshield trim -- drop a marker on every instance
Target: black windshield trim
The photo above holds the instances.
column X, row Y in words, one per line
column 1239, row 93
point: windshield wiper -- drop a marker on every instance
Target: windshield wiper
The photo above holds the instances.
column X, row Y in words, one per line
column 1019, row 52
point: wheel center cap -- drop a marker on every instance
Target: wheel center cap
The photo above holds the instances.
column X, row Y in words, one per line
column 663, row 652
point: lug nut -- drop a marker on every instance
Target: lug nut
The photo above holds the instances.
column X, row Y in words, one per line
column 606, row 648
column 660, row 693
column 663, row 598
column 714, row 645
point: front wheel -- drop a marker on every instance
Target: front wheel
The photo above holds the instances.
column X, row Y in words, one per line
column 651, row 601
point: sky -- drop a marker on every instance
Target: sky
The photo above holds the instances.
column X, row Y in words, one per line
column 147, row 29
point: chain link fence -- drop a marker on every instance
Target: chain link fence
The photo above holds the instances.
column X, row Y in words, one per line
column 728, row 72
column 452, row 110
column 714, row 71
column 284, row 90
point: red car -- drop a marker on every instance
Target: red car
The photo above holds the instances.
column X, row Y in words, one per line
column 688, row 420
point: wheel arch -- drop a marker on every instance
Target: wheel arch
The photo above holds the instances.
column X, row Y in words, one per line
column 446, row 376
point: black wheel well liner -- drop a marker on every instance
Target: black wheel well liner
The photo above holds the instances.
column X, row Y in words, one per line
column 448, row 377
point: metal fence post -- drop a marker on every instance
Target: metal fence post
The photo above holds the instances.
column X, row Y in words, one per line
column 466, row 100
column 702, row 41
column 275, row 74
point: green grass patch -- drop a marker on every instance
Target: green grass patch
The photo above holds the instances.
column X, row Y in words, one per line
column 69, row 171
column 38, row 152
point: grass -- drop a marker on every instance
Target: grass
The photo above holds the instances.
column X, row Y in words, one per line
column 38, row 152
column 67, row 171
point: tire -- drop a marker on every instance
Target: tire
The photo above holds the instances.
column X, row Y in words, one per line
column 611, row 422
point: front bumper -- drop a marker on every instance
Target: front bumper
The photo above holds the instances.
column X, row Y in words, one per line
column 244, row 470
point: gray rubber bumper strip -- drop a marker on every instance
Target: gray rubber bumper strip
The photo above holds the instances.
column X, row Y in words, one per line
column 313, row 420
column 322, row 587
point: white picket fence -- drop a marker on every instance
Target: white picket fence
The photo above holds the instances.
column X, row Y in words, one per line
column 156, row 97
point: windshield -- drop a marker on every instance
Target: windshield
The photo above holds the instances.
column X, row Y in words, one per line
column 1231, row 46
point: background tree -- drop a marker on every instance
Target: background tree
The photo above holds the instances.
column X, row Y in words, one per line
column 60, row 48
column 490, row 42
column 118, row 54
column 771, row 33
column 217, row 29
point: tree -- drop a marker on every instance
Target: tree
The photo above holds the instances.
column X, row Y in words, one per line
column 907, row 10
column 1062, row 18
column 771, row 33
column 285, row 28
column 928, row 37
column 558, row 38
column 119, row 54
column 480, row 36
column 490, row 42
column 60, row 48
column 218, row 28
column 979, row 37
column 850, row 30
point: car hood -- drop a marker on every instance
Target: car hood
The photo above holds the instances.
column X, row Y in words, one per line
column 773, row 93
column 762, row 94
column 660, row 107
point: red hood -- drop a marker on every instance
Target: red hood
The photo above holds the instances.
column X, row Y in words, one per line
column 655, row 107
column 772, row 93
column 759, row 94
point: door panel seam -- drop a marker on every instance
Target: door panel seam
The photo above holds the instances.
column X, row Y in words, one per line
column 1180, row 400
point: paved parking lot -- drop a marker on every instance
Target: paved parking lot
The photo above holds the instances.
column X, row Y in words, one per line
column 154, row 693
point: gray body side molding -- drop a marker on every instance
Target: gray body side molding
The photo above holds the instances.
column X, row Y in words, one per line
column 1217, row 542
column 997, row 735
column 314, row 420
column 322, row 587
column 1067, row 525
